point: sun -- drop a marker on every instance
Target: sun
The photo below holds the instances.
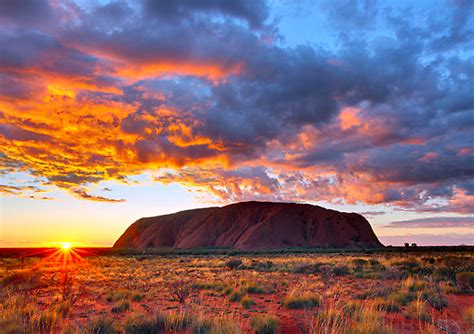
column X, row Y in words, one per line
column 66, row 246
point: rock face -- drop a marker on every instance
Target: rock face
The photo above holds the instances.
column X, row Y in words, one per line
column 251, row 225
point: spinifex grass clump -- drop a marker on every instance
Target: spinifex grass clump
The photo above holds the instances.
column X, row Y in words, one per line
column 350, row 318
column 298, row 298
column 264, row 324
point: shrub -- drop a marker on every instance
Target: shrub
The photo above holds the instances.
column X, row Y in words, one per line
column 214, row 326
column 468, row 316
column 121, row 306
column 411, row 266
column 115, row 296
column 412, row 284
column 340, row 270
column 374, row 293
column 434, row 298
column 429, row 260
column 301, row 301
column 248, row 302
column 101, row 325
column 359, row 264
column 264, row 324
column 350, row 307
column 449, row 266
column 401, row 298
column 138, row 323
column 256, row 288
column 307, row 268
column 24, row 279
column 394, row 273
column 177, row 321
column 262, row 266
column 368, row 321
column 180, row 291
column 44, row 321
column 236, row 295
column 417, row 310
column 233, row 263
column 137, row 296
column 465, row 281
column 386, row 305
column 325, row 272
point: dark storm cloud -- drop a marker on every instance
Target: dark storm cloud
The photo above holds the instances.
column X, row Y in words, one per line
column 254, row 12
column 31, row 12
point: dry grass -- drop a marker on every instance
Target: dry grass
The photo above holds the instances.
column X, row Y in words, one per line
column 315, row 293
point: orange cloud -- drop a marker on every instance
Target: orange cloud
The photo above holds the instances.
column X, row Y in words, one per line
column 349, row 118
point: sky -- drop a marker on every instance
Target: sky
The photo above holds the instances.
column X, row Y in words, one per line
column 112, row 111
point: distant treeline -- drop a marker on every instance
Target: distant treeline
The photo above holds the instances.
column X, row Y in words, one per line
column 105, row 251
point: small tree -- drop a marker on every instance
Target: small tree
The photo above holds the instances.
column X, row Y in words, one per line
column 180, row 291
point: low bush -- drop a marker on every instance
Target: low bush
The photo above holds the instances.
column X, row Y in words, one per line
column 340, row 270
column 307, row 268
column 121, row 306
column 214, row 326
column 247, row 302
column 177, row 321
column 233, row 263
column 386, row 305
column 417, row 310
column 115, row 296
column 434, row 298
column 468, row 316
column 138, row 323
column 236, row 295
column 401, row 298
column 180, row 290
column 303, row 300
column 264, row 324
column 465, row 281
column 102, row 325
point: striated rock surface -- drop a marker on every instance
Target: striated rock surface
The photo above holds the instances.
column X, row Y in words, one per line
column 251, row 225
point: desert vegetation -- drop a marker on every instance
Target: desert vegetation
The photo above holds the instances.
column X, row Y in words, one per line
column 249, row 293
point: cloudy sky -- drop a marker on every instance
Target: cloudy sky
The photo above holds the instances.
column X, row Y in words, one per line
column 110, row 111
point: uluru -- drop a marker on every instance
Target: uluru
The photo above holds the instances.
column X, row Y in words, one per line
column 251, row 225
